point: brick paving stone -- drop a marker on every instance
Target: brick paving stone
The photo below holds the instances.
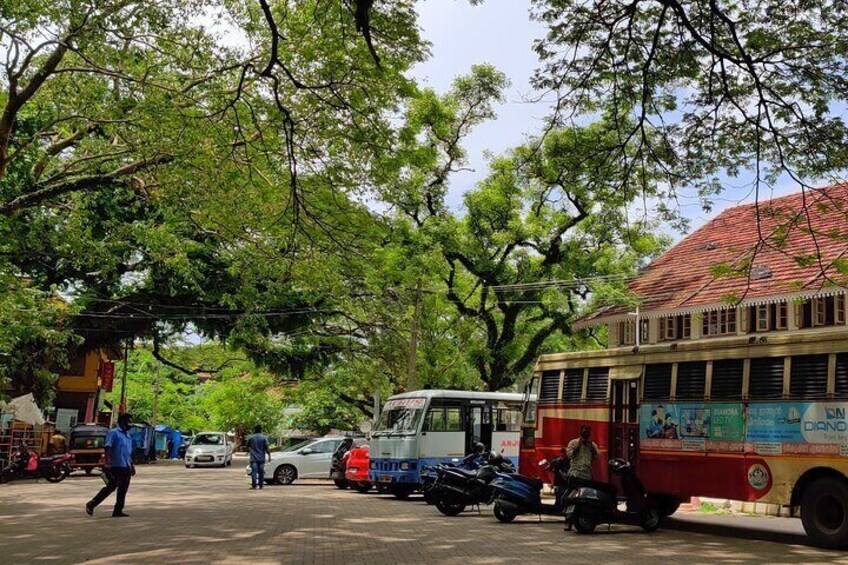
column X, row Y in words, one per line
column 183, row 515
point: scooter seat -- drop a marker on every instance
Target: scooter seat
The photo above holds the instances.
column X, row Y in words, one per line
column 535, row 483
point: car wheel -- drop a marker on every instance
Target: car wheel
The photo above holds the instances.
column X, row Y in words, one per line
column 362, row 487
column 383, row 489
column 341, row 483
column 402, row 492
column 229, row 462
column 189, row 466
column 285, row 475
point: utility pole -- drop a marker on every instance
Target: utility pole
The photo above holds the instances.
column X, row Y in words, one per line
column 413, row 346
column 122, row 407
column 156, row 395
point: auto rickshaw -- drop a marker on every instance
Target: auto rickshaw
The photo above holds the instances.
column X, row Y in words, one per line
column 87, row 447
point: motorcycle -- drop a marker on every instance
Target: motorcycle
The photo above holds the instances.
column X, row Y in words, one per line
column 516, row 494
column 430, row 473
column 24, row 464
column 456, row 488
column 598, row 503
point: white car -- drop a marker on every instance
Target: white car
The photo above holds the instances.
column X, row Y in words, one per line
column 310, row 459
column 209, row 449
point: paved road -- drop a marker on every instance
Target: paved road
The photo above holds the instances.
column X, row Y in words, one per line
column 210, row 515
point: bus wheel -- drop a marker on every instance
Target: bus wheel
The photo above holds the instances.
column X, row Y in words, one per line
column 824, row 512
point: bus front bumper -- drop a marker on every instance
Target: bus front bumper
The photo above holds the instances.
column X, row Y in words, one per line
column 394, row 471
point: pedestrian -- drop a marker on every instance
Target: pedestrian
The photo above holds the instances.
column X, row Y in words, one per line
column 257, row 445
column 581, row 452
column 119, row 467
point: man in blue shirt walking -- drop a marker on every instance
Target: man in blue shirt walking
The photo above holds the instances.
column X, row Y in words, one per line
column 119, row 467
column 257, row 444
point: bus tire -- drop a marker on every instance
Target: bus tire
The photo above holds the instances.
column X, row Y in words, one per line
column 824, row 512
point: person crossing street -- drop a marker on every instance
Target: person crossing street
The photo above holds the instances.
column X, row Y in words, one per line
column 257, row 445
column 119, row 468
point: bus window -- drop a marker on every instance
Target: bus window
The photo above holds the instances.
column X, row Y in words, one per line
column 657, row 381
column 727, row 379
column 435, row 421
column 766, row 378
column 549, row 390
column 842, row 375
column 509, row 420
column 598, row 383
column 572, row 389
column 531, row 395
column 453, row 419
column 691, row 380
column 808, row 377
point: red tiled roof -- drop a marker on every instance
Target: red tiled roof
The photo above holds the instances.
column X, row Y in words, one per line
column 792, row 252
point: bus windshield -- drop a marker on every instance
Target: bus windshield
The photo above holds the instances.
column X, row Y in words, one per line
column 401, row 416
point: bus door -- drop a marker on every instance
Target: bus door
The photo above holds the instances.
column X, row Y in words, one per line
column 624, row 427
column 478, row 424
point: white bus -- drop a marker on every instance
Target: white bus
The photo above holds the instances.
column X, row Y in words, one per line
column 427, row 427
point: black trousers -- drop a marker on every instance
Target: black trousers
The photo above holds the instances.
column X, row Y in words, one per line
column 119, row 479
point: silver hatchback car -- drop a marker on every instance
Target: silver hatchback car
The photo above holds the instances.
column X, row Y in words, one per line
column 209, row 449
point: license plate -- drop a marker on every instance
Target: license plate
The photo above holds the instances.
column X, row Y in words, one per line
column 385, row 478
column 204, row 458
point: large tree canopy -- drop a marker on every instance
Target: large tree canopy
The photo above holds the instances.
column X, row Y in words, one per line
column 703, row 88
column 552, row 210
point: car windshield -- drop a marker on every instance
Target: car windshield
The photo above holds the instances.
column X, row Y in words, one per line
column 300, row 445
column 208, row 439
column 401, row 416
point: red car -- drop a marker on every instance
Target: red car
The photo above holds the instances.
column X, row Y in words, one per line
column 356, row 471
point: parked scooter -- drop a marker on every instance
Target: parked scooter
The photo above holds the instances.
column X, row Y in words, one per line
column 24, row 464
column 590, row 505
column 456, row 488
column 429, row 474
column 517, row 494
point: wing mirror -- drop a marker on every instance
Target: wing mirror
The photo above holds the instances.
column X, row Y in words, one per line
column 306, row 451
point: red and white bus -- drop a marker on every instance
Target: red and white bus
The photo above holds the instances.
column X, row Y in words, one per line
column 740, row 418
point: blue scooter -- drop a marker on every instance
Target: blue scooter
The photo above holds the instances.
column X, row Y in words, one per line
column 430, row 473
column 515, row 494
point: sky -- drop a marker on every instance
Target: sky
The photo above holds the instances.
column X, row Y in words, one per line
column 500, row 32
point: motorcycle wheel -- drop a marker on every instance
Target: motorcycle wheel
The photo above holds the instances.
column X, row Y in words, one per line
column 430, row 496
column 504, row 515
column 584, row 524
column 5, row 476
column 449, row 508
column 651, row 520
column 58, row 473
